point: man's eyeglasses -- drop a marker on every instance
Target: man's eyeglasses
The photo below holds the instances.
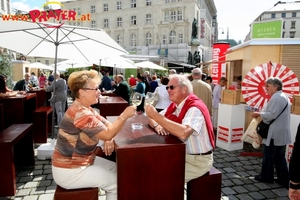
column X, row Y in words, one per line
column 171, row 87
column 96, row 89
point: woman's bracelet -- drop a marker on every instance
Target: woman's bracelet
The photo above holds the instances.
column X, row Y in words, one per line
column 122, row 118
column 294, row 186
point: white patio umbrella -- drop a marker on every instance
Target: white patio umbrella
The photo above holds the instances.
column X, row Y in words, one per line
column 39, row 65
column 117, row 62
column 64, row 65
column 149, row 65
column 57, row 41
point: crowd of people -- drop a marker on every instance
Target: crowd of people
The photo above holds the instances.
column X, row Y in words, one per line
column 187, row 107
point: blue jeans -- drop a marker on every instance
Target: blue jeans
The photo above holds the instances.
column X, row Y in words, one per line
column 274, row 155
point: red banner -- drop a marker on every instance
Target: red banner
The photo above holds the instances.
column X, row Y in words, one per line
column 219, row 50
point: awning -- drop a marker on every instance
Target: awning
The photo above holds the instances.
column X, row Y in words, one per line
column 221, row 61
column 183, row 64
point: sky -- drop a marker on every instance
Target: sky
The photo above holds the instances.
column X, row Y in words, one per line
column 234, row 15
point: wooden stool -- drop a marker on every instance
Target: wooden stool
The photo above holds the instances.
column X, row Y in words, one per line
column 78, row 194
column 207, row 186
column 42, row 121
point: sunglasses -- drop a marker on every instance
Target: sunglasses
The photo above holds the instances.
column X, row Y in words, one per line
column 171, row 87
column 96, row 89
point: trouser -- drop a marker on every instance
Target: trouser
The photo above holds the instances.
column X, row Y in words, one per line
column 60, row 107
column 102, row 174
column 274, row 155
column 197, row 165
column 215, row 117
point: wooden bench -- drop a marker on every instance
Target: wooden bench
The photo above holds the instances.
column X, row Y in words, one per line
column 16, row 150
column 78, row 194
column 207, row 186
column 42, row 121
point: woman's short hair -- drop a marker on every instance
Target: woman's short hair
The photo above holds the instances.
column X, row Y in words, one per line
column 183, row 81
column 154, row 77
column 164, row 80
column 78, row 80
column 275, row 81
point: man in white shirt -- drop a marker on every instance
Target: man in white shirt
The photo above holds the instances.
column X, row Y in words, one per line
column 217, row 94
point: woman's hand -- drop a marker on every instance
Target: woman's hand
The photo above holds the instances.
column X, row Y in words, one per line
column 129, row 112
column 256, row 115
column 109, row 147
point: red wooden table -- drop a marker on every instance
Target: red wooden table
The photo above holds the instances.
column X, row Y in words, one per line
column 18, row 109
column 149, row 166
column 112, row 106
column 41, row 97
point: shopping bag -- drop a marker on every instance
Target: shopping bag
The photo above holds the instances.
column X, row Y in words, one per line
column 250, row 136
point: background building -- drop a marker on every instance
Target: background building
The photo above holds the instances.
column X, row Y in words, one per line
column 289, row 12
column 160, row 29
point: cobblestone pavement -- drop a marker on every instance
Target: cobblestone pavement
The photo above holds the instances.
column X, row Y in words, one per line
column 237, row 179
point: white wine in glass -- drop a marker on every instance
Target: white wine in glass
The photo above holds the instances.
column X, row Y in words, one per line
column 136, row 99
column 149, row 98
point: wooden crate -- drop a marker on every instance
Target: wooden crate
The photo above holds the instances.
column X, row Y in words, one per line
column 231, row 97
column 296, row 105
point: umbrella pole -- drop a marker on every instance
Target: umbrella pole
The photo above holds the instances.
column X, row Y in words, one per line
column 54, row 82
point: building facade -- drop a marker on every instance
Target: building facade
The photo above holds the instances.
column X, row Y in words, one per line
column 160, row 29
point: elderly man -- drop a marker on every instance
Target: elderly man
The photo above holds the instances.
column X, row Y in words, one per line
column 24, row 84
column 201, row 89
column 187, row 118
column 59, row 97
column 122, row 88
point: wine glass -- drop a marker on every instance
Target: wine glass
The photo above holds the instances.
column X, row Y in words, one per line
column 149, row 98
column 137, row 99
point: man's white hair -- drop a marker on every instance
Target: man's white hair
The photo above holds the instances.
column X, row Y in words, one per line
column 183, row 81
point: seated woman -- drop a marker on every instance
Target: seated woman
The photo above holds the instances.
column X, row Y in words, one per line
column 4, row 91
column 74, row 162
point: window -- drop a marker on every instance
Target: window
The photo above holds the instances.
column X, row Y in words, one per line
column 119, row 5
column 93, row 23
column 148, row 19
column 148, row 38
column 167, row 1
column 119, row 21
column 74, row 9
column 148, row 2
column 293, row 24
column 292, row 34
column 47, row 62
column 173, row 1
column 294, row 14
column 119, row 39
column 105, row 7
column 179, row 15
column 173, row 15
column 283, row 34
column 164, row 39
column 283, row 25
column 78, row 11
column 180, row 38
column 93, row 9
column 172, row 37
column 38, row 61
column 105, row 23
column 283, row 15
column 133, row 40
column 273, row 15
column 78, row 23
column 167, row 16
column 133, row 20
column 133, row 3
